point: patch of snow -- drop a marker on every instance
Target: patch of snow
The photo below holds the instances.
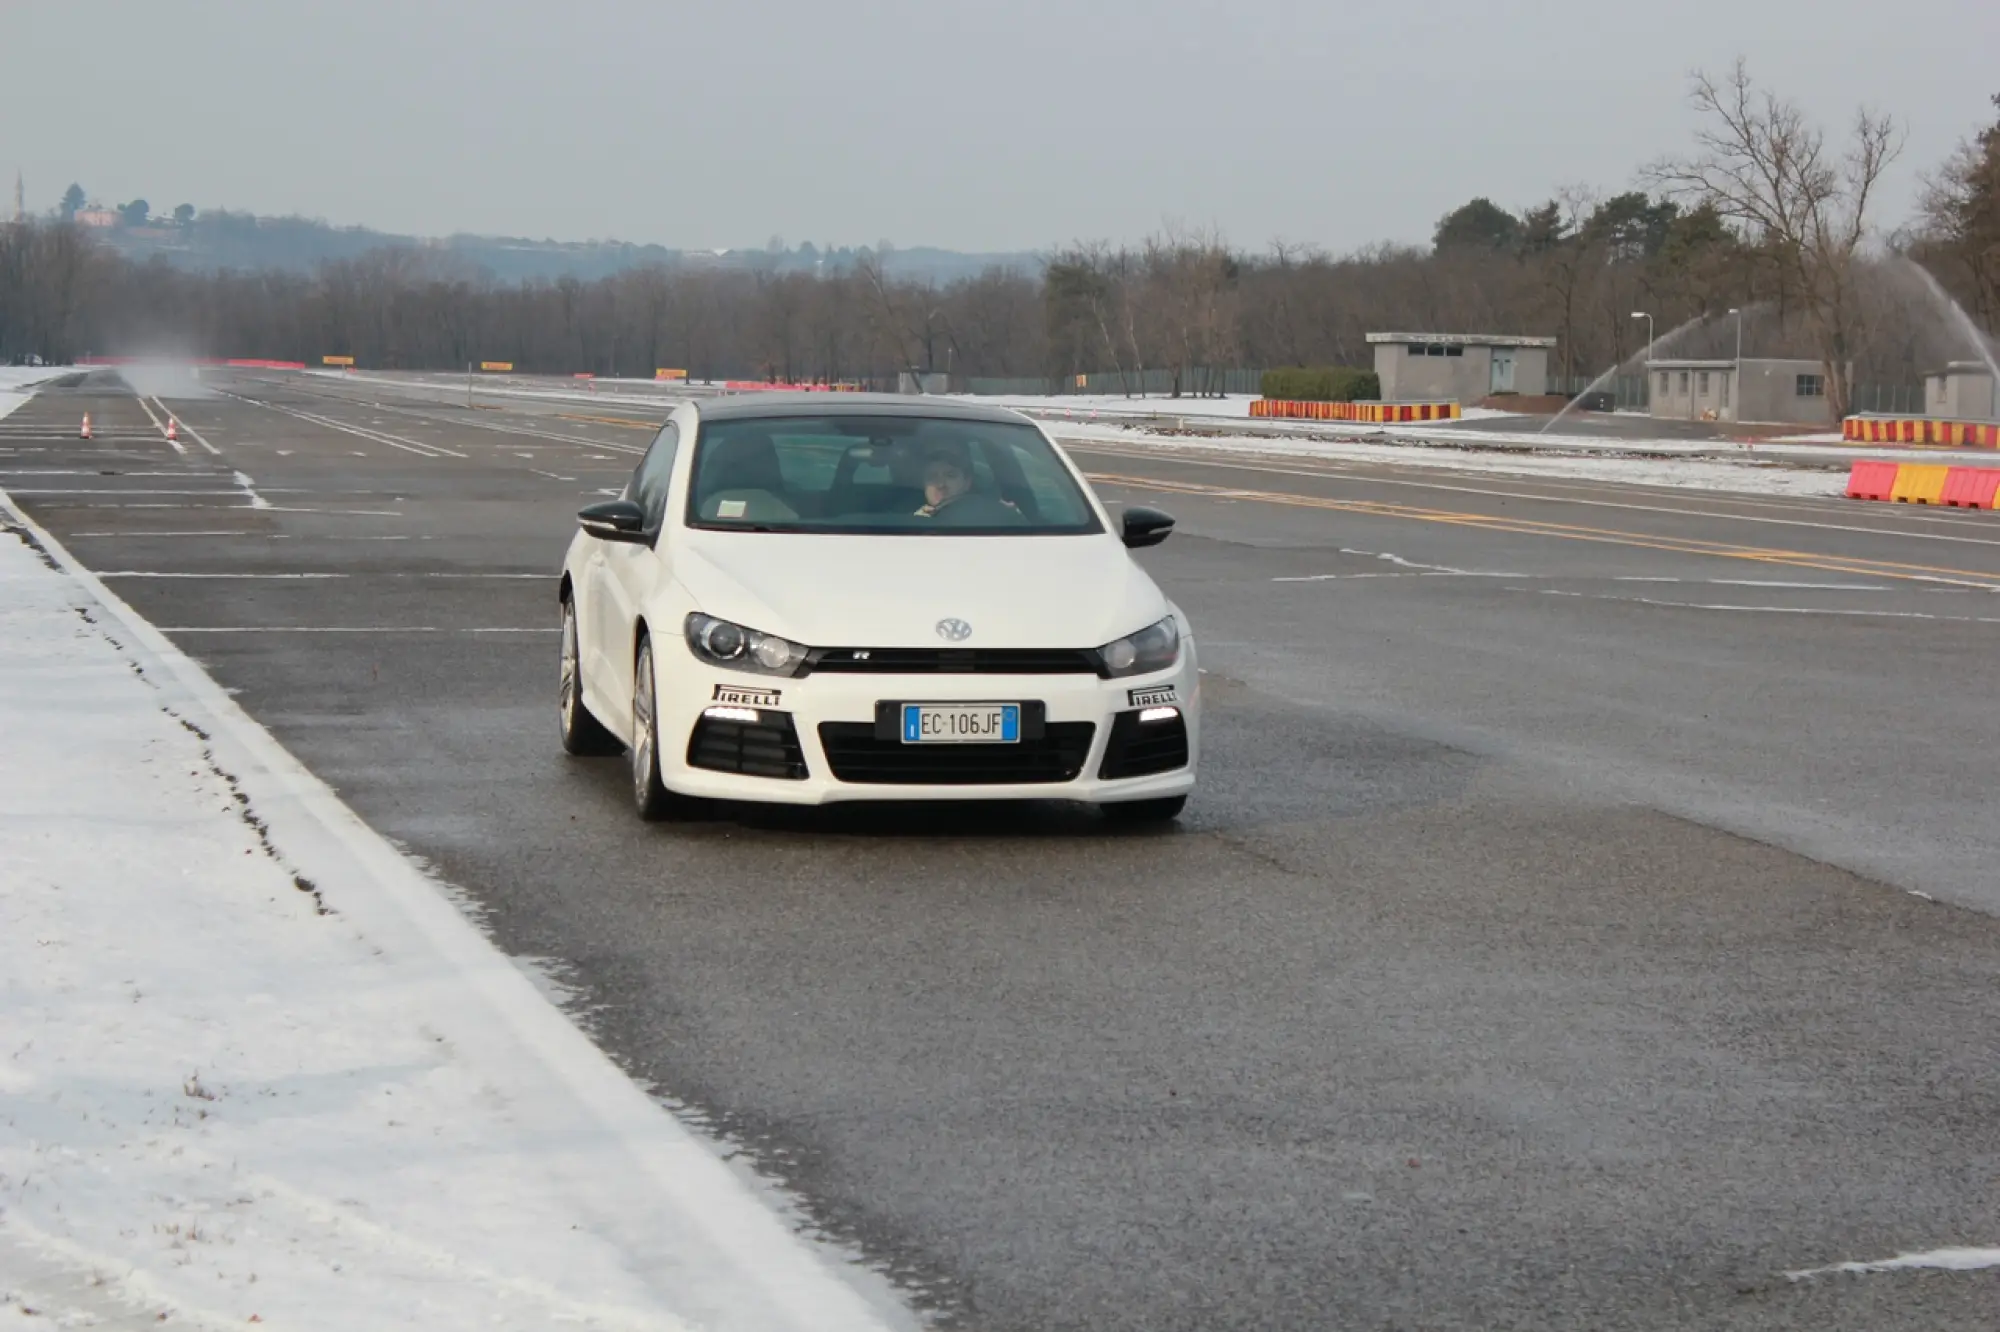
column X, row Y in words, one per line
column 256, row 1067
column 1946, row 1260
column 1119, row 405
column 1747, row 476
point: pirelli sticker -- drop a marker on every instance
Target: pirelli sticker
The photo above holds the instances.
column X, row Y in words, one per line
column 751, row 698
column 1154, row 697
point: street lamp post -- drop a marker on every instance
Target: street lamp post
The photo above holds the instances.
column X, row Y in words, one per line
column 1641, row 314
column 1736, row 375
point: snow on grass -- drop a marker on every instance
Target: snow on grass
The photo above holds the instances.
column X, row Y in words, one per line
column 254, row 1068
column 1464, row 455
column 17, row 380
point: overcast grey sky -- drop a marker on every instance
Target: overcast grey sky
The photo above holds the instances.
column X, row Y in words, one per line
column 977, row 127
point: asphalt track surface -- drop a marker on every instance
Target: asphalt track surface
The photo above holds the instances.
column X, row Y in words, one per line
column 1590, row 912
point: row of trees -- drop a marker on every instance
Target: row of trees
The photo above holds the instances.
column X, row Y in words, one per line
column 1765, row 216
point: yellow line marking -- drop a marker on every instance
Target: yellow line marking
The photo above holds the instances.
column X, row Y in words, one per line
column 625, row 422
column 1574, row 532
column 1351, row 471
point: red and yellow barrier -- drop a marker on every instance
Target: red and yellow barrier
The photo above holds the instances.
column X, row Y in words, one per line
column 1925, row 483
column 1919, row 430
column 1374, row 413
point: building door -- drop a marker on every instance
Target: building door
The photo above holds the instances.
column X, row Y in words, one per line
column 1503, row 372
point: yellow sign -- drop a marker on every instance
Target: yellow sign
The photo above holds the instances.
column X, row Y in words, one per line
column 670, row 374
column 499, row 367
column 337, row 360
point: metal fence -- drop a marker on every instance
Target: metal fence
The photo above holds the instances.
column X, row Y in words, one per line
column 1199, row 382
column 1889, row 399
column 1627, row 392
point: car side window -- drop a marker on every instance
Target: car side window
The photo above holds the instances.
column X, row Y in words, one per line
column 649, row 480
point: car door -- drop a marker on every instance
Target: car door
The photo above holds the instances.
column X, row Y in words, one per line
column 627, row 573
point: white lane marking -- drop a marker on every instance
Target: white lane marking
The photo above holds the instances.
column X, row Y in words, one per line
column 1365, row 479
column 1412, row 568
column 256, row 501
column 415, row 446
column 499, row 428
column 1774, row 610
column 226, row 494
column 1585, row 578
column 345, row 629
column 1413, row 573
column 197, row 573
column 550, row 475
column 1810, row 587
column 229, row 533
column 1756, row 582
column 1947, row 1260
column 88, row 471
column 194, row 434
column 161, row 427
column 151, row 573
column 570, row 1085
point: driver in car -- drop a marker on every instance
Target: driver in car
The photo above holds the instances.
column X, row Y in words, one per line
column 949, row 496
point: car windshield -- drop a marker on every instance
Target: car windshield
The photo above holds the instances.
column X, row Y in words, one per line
column 893, row 475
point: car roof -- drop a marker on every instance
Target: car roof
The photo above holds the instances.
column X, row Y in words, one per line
column 752, row 406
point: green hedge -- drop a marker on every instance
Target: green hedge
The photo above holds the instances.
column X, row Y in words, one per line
column 1338, row 383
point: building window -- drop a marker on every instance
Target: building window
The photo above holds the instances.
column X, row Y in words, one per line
column 1811, row 386
column 1684, row 381
column 1725, row 387
column 1454, row 351
column 1663, row 383
column 1704, row 383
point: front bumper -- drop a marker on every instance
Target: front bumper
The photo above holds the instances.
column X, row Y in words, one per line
column 1080, row 734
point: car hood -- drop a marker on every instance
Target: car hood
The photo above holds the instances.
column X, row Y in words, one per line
column 867, row 591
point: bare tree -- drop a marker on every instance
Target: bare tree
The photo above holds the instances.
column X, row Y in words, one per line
column 1767, row 170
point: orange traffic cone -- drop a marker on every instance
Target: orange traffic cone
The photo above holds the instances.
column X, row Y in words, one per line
column 85, row 432
column 173, row 430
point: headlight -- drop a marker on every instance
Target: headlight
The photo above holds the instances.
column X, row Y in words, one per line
column 720, row 643
column 1154, row 648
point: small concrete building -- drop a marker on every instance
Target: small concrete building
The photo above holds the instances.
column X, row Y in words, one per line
column 1962, row 391
column 1781, row 391
column 1463, row 368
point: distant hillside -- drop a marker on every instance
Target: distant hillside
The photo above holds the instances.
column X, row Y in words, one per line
column 224, row 240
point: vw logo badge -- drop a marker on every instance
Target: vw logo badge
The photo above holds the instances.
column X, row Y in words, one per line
column 954, row 631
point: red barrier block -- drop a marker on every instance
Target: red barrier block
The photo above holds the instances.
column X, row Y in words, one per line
column 1871, row 480
column 1972, row 487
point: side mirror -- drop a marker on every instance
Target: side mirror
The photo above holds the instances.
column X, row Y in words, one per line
column 1147, row 527
column 614, row 520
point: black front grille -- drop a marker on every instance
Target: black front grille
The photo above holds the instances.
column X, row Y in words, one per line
column 768, row 747
column 951, row 661
column 1140, row 749
column 858, row 754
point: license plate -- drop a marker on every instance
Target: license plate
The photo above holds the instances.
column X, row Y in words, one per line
column 961, row 723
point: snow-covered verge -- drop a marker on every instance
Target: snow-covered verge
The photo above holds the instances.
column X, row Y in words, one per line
column 1119, row 405
column 1752, row 475
column 16, row 380
column 255, row 1068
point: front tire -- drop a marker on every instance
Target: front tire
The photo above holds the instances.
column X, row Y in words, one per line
column 1145, row 813
column 582, row 734
column 650, row 795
